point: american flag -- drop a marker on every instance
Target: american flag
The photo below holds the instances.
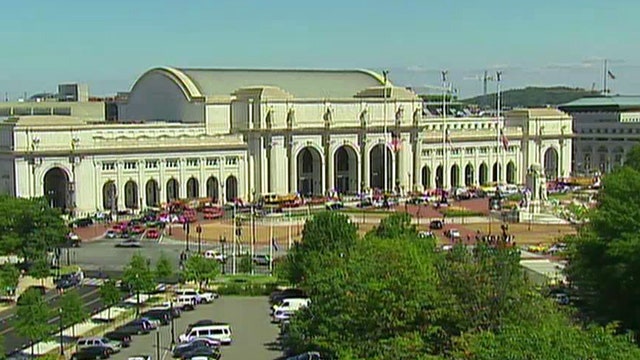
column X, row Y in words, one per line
column 396, row 141
column 448, row 138
column 503, row 139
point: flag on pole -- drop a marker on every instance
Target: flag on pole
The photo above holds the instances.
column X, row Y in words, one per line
column 396, row 141
column 448, row 138
column 613, row 77
column 504, row 139
column 275, row 245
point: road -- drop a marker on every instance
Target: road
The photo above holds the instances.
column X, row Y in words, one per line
column 254, row 337
column 13, row 342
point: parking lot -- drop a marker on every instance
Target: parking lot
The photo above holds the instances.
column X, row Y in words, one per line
column 254, row 337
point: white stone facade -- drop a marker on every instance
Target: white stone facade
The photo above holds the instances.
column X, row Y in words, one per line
column 283, row 137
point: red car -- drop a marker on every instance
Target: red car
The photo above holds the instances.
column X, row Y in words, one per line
column 137, row 229
column 152, row 234
column 213, row 213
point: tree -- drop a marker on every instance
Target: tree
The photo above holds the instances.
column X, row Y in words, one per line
column 32, row 315
column 40, row 269
column 72, row 309
column 138, row 276
column 246, row 263
column 110, row 295
column 29, row 227
column 632, row 159
column 325, row 232
column 603, row 258
column 164, row 268
column 9, row 278
column 397, row 225
column 200, row 270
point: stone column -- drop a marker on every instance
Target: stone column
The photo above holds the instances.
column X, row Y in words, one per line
column 278, row 165
column 366, row 168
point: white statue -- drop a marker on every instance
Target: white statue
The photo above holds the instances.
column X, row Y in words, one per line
column 536, row 182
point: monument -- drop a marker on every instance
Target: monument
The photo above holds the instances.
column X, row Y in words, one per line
column 536, row 191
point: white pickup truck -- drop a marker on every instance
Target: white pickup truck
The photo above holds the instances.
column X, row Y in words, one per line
column 199, row 297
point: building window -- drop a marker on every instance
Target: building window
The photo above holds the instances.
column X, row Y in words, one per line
column 439, row 152
column 193, row 162
column 108, row 166
column 468, row 151
column 130, row 165
column 484, row 150
column 455, row 151
column 212, row 162
column 151, row 164
column 233, row 160
column 172, row 163
column 63, row 111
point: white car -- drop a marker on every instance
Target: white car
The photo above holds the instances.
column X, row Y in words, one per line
column 280, row 316
column 215, row 255
column 199, row 296
column 219, row 332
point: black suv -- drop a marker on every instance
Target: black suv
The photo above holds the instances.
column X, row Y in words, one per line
column 91, row 353
column 123, row 337
column 164, row 316
column 436, row 225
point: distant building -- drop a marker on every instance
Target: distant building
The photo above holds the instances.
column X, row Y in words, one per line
column 73, row 92
column 230, row 134
column 605, row 129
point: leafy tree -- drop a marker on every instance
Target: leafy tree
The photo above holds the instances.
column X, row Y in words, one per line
column 29, row 227
column 72, row 309
column 31, row 317
column 138, row 276
column 396, row 226
column 164, row 268
column 200, row 270
column 603, row 258
column 632, row 159
column 246, row 264
column 110, row 295
column 40, row 269
column 9, row 277
column 325, row 232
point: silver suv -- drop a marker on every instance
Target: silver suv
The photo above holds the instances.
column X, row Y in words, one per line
column 113, row 346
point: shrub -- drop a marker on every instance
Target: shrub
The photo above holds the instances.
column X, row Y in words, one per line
column 246, row 289
column 454, row 211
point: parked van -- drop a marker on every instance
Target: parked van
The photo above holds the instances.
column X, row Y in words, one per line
column 293, row 304
column 113, row 346
column 220, row 332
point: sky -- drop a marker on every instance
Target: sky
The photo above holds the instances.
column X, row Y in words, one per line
column 109, row 44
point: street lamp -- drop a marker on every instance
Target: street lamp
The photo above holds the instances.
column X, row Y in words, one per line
column 223, row 240
column 137, row 295
column 61, row 335
column 173, row 326
column 199, row 231
column 186, row 227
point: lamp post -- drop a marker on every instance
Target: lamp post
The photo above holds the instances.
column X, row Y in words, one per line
column 61, row 335
column 173, row 326
column 223, row 240
column 199, row 231
column 137, row 295
column 186, row 227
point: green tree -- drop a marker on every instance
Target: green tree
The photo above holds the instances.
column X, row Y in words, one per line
column 29, row 227
column 246, row 264
column 397, row 225
column 110, row 295
column 138, row 276
column 603, row 258
column 72, row 309
column 164, row 268
column 31, row 317
column 9, row 278
column 200, row 270
column 40, row 269
column 326, row 232
column 632, row 159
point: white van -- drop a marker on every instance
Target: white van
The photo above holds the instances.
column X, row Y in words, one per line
column 220, row 332
column 293, row 304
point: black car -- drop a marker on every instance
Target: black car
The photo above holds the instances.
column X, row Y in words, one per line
column 182, row 349
column 84, row 222
column 164, row 316
column 278, row 296
column 211, row 353
column 261, row 260
column 130, row 243
column 91, row 353
column 134, row 328
column 123, row 337
column 67, row 281
column 436, row 224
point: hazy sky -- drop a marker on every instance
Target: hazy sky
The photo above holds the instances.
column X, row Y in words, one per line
column 108, row 44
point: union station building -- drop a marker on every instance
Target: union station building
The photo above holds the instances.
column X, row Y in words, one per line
column 228, row 134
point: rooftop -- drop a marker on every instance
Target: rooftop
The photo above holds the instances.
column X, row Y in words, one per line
column 617, row 102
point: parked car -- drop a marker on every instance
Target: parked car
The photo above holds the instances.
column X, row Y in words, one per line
column 185, row 348
column 174, row 309
column 130, row 243
column 291, row 304
column 306, row 356
column 139, row 357
column 123, row 337
column 163, row 316
column 426, row 235
column 186, row 302
column 280, row 316
column 67, row 281
column 557, row 248
column 215, row 255
column 113, row 346
column 202, row 353
column 436, row 225
column 200, row 296
column 137, row 229
column 111, row 234
column 537, row 248
column 221, row 332
column 278, row 296
column 261, row 260
column 91, row 353
column 333, row 205
column 136, row 328
column 83, row 222
column 452, row 234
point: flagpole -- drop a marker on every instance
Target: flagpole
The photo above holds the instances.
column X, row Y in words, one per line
column 501, row 170
column 444, row 129
column 271, row 246
column 235, row 240
column 289, row 231
column 604, row 79
column 384, row 149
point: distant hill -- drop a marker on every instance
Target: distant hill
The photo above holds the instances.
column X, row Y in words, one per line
column 533, row 97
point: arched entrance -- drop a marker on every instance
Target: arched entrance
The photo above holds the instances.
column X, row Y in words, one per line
column 109, row 196
column 212, row 188
column 131, row 195
column 345, row 162
column 511, row 173
column 231, row 186
column 309, row 172
column 483, row 174
column 193, row 188
column 455, row 176
column 551, row 163
column 56, row 188
column 468, row 175
column 439, row 177
column 496, row 172
column 377, row 171
column 173, row 190
column 426, row 177
column 152, row 193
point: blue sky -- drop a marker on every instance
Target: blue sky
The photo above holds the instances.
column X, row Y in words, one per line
column 107, row 44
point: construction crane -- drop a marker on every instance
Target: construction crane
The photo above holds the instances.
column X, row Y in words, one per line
column 485, row 78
